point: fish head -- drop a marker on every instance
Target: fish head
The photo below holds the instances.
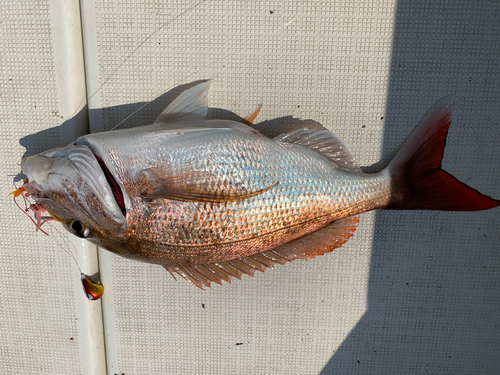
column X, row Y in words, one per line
column 73, row 185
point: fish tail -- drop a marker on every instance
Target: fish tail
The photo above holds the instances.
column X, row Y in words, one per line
column 417, row 180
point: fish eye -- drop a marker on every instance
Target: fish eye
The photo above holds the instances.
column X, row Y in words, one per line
column 78, row 229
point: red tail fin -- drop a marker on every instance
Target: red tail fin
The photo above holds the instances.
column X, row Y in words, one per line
column 418, row 182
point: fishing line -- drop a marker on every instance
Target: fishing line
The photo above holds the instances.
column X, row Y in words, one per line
column 146, row 104
column 140, row 108
column 142, row 43
column 107, row 79
column 93, row 290
column 110, row 75
column 63, row 237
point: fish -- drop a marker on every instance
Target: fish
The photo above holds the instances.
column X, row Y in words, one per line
column 210, row 200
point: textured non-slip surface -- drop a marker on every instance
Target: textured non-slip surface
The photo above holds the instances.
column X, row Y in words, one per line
column 38, row 317
column 409, row 293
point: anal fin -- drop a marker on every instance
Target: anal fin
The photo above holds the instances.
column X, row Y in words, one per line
column 308, row 247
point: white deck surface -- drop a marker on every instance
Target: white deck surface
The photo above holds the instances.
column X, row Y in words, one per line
column 411, row 293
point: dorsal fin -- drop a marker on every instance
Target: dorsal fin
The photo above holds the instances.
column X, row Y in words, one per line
column 191, row 104
column 308, row 247
column 326, row 143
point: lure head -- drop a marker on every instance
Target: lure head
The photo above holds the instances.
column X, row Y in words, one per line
column 93, row 291
column 71, row 185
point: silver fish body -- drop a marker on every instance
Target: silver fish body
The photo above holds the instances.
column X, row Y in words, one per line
column 302, row 192
column 188, row 193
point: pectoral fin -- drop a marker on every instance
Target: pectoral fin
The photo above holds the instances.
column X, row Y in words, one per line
column 192, row 186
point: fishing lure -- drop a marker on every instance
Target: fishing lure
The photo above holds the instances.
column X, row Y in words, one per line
column 93, row 290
